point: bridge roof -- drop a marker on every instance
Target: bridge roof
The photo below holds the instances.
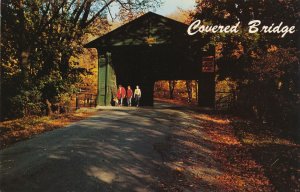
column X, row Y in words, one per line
column 149, row 28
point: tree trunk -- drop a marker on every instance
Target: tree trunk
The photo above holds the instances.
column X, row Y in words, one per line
column 24, row 65
column 1, row 96
column 64, row 65
column 196, row 89
column 48, row 109
column 23, row 46
column 172, row 84
column 188, row 84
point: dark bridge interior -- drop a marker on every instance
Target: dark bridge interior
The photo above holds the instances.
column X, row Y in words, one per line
column 148, row 49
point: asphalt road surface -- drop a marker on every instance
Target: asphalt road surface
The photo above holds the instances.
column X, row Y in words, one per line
column 113, row 150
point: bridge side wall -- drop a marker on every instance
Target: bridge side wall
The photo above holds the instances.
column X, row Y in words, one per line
column 106, row 79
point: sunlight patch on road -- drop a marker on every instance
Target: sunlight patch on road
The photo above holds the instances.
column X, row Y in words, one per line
column 102, row 175
column 52, row 156
column 212, row 119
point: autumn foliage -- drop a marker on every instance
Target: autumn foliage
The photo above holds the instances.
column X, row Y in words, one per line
column 264, row 67
column 13, row 131
column 219, row 152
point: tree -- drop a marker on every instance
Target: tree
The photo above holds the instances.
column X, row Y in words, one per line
column 260, row 63
column 238, row 49
column 39, row 40
column 172, row 84
column 189, row 89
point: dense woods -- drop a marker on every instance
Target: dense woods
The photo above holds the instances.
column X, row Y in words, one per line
column 264, row 67
column 39, row 46
column 184, row 90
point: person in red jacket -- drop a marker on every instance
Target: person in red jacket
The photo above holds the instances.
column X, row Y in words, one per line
column 121, row 93
column 129, row 95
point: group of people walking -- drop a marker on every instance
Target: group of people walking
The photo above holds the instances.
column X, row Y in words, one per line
column 122, row 93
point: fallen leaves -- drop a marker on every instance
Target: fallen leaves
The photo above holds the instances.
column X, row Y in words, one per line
column 24, row 128
column 276, row 153
column 240, row 171
column 212, row 119
column 211, row 158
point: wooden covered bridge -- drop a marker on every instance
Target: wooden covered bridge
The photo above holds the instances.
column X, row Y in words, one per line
column 148, row 49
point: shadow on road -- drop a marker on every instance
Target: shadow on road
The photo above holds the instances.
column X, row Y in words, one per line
column 115, row 150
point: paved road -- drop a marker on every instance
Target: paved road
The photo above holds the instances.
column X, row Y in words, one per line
column 112, row 151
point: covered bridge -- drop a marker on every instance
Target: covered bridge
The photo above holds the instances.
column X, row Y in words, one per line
column 148, row 49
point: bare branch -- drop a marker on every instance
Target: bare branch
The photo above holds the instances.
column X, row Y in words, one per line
column 55, row 15
column 72, row 2
column 123, row 5
column 79, row 12
column 98, row 13
column 109, row 11
column 86, row 12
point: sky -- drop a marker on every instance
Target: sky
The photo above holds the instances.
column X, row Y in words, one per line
column 167, row 8
column 170, row 6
